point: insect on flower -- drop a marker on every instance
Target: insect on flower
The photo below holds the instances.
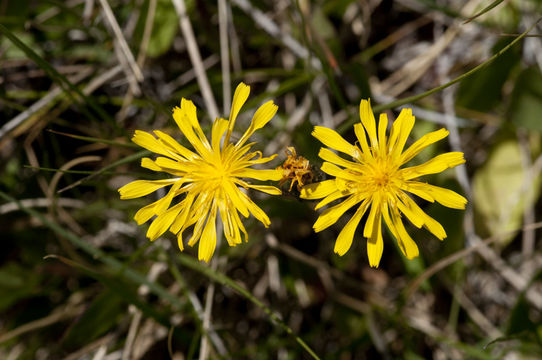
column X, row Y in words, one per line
column 295, row 168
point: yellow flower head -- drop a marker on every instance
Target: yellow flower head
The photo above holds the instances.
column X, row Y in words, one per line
column 376, row 181
column 207, row 179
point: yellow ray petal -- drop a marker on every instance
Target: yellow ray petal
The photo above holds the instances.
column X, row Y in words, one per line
column 163, row 203
column 422, row 143
column 443, row 196
column 261, row 117
column 179, row 166
column 180, row 221
column 207, row 244
column 435, row 165
column 239, row 98
column 400, row 131
column 422, row 218
column 331, row 215
column 219, row 128
column 375, row 244
column 318, row 190
column 328, row 155
column 382, row 127
column 184, row 124
column 255, row 210
column 139, row 188
column 149, row 142
column 149, row 164
column 368, row 120
column 405, row 242
column 374, row 214
column 234, row 195
column 334, row 170
column 190, row 112
column 163, row 222
column 268, row 174
column 145, row 213
column 332, row 139
column 173, row 145
column 362, row 139
column 271, row 190
column 346, row 236
column 331, row 197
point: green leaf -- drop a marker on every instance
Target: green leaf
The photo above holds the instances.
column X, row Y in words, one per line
column 165, row 28
column 499, row 198
column 526, row 104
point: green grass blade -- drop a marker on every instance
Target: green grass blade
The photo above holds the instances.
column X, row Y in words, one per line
column 378, row 108
column 225, row 280
column 483, row 11
column 62, row 81
column 100, row 255
column 126, row 160
column 95, row 140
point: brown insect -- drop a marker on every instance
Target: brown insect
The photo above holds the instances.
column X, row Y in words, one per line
column 295, row 168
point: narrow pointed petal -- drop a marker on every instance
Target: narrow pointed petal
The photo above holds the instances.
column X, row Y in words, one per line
column 239, row 98
column 219, row 128
column 422, row 143
column 328, row 155
column 149, row 164
column 443, row 196
column 163, row 222
column 145, row 213
column 139, row 188
column 374, row 214
column 259, row 174
column 149, row 142
column 362, row 139
column 434, row 166
column 255, row 210
column 382, row 126
column 400, row 131
column 331, row 197
column 346, row 236
column 260, row 119
column 375, row 244
column 207, row 244
column 331, row 215
column 271, row 190
column 173, row 145
column 318, row 190
column 405, row 242
column 368, row 120
column 332, row 139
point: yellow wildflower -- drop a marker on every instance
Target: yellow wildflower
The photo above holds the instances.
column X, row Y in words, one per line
column 375, row 180
column 208, row 179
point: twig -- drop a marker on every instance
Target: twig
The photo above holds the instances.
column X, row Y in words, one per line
column 42, row 202
column 273, row 29
column 224, row 54
column 40, row 104
column 129, row 57
column 66, row 313
column 195, row 58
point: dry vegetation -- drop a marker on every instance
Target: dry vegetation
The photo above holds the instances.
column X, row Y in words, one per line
column 78, row 278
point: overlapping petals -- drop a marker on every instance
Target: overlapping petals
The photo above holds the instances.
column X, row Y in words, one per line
column 207, row 181
column 374, row 183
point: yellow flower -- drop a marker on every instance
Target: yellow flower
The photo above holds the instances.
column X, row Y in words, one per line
column 375, row 180
column 207, row 179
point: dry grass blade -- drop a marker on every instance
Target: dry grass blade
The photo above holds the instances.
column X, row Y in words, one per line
column 450, row 259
